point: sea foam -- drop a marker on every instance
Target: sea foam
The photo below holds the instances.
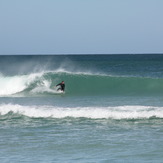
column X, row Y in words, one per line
column 117, row 112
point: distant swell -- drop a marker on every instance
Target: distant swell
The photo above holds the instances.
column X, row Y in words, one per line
column 80, row 83
column 117, row 112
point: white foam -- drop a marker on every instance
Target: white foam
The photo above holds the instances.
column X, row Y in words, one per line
column 120, row 112
column 14, row 84
column 11, row 85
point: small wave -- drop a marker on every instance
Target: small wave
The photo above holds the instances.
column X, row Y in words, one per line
column 118, row 112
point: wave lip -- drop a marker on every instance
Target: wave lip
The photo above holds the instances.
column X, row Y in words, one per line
column 117, row 112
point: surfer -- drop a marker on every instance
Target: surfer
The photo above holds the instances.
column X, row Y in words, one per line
column 62, row 86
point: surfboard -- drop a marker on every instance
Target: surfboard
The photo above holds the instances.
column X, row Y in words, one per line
column 60, row 91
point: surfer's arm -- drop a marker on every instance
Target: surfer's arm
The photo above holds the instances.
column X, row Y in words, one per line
column 58, row 84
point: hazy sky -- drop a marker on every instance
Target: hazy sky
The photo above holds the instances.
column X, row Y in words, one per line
column 81, row 26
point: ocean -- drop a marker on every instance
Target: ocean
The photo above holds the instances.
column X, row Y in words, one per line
column 111, row 110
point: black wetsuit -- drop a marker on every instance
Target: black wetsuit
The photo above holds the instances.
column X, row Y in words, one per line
column 62, row 86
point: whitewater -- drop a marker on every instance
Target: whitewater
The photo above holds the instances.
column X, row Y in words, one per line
column 119, row 112
column 111, row 110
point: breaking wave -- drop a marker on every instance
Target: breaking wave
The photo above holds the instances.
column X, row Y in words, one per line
column 116, row 112
column 79, row 83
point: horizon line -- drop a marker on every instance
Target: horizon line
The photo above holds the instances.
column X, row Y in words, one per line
column 85, row 54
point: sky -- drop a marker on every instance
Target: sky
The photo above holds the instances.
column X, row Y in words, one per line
column 81, row 26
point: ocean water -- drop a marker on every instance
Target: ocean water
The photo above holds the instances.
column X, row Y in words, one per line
column 111, row 111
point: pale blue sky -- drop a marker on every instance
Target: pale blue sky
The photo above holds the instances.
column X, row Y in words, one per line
column 81, row 26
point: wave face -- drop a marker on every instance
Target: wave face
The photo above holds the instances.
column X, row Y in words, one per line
column 116, row 112
column 78, row 84
column 83, row 75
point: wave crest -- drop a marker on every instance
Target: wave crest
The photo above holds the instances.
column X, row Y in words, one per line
column 78, row 83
